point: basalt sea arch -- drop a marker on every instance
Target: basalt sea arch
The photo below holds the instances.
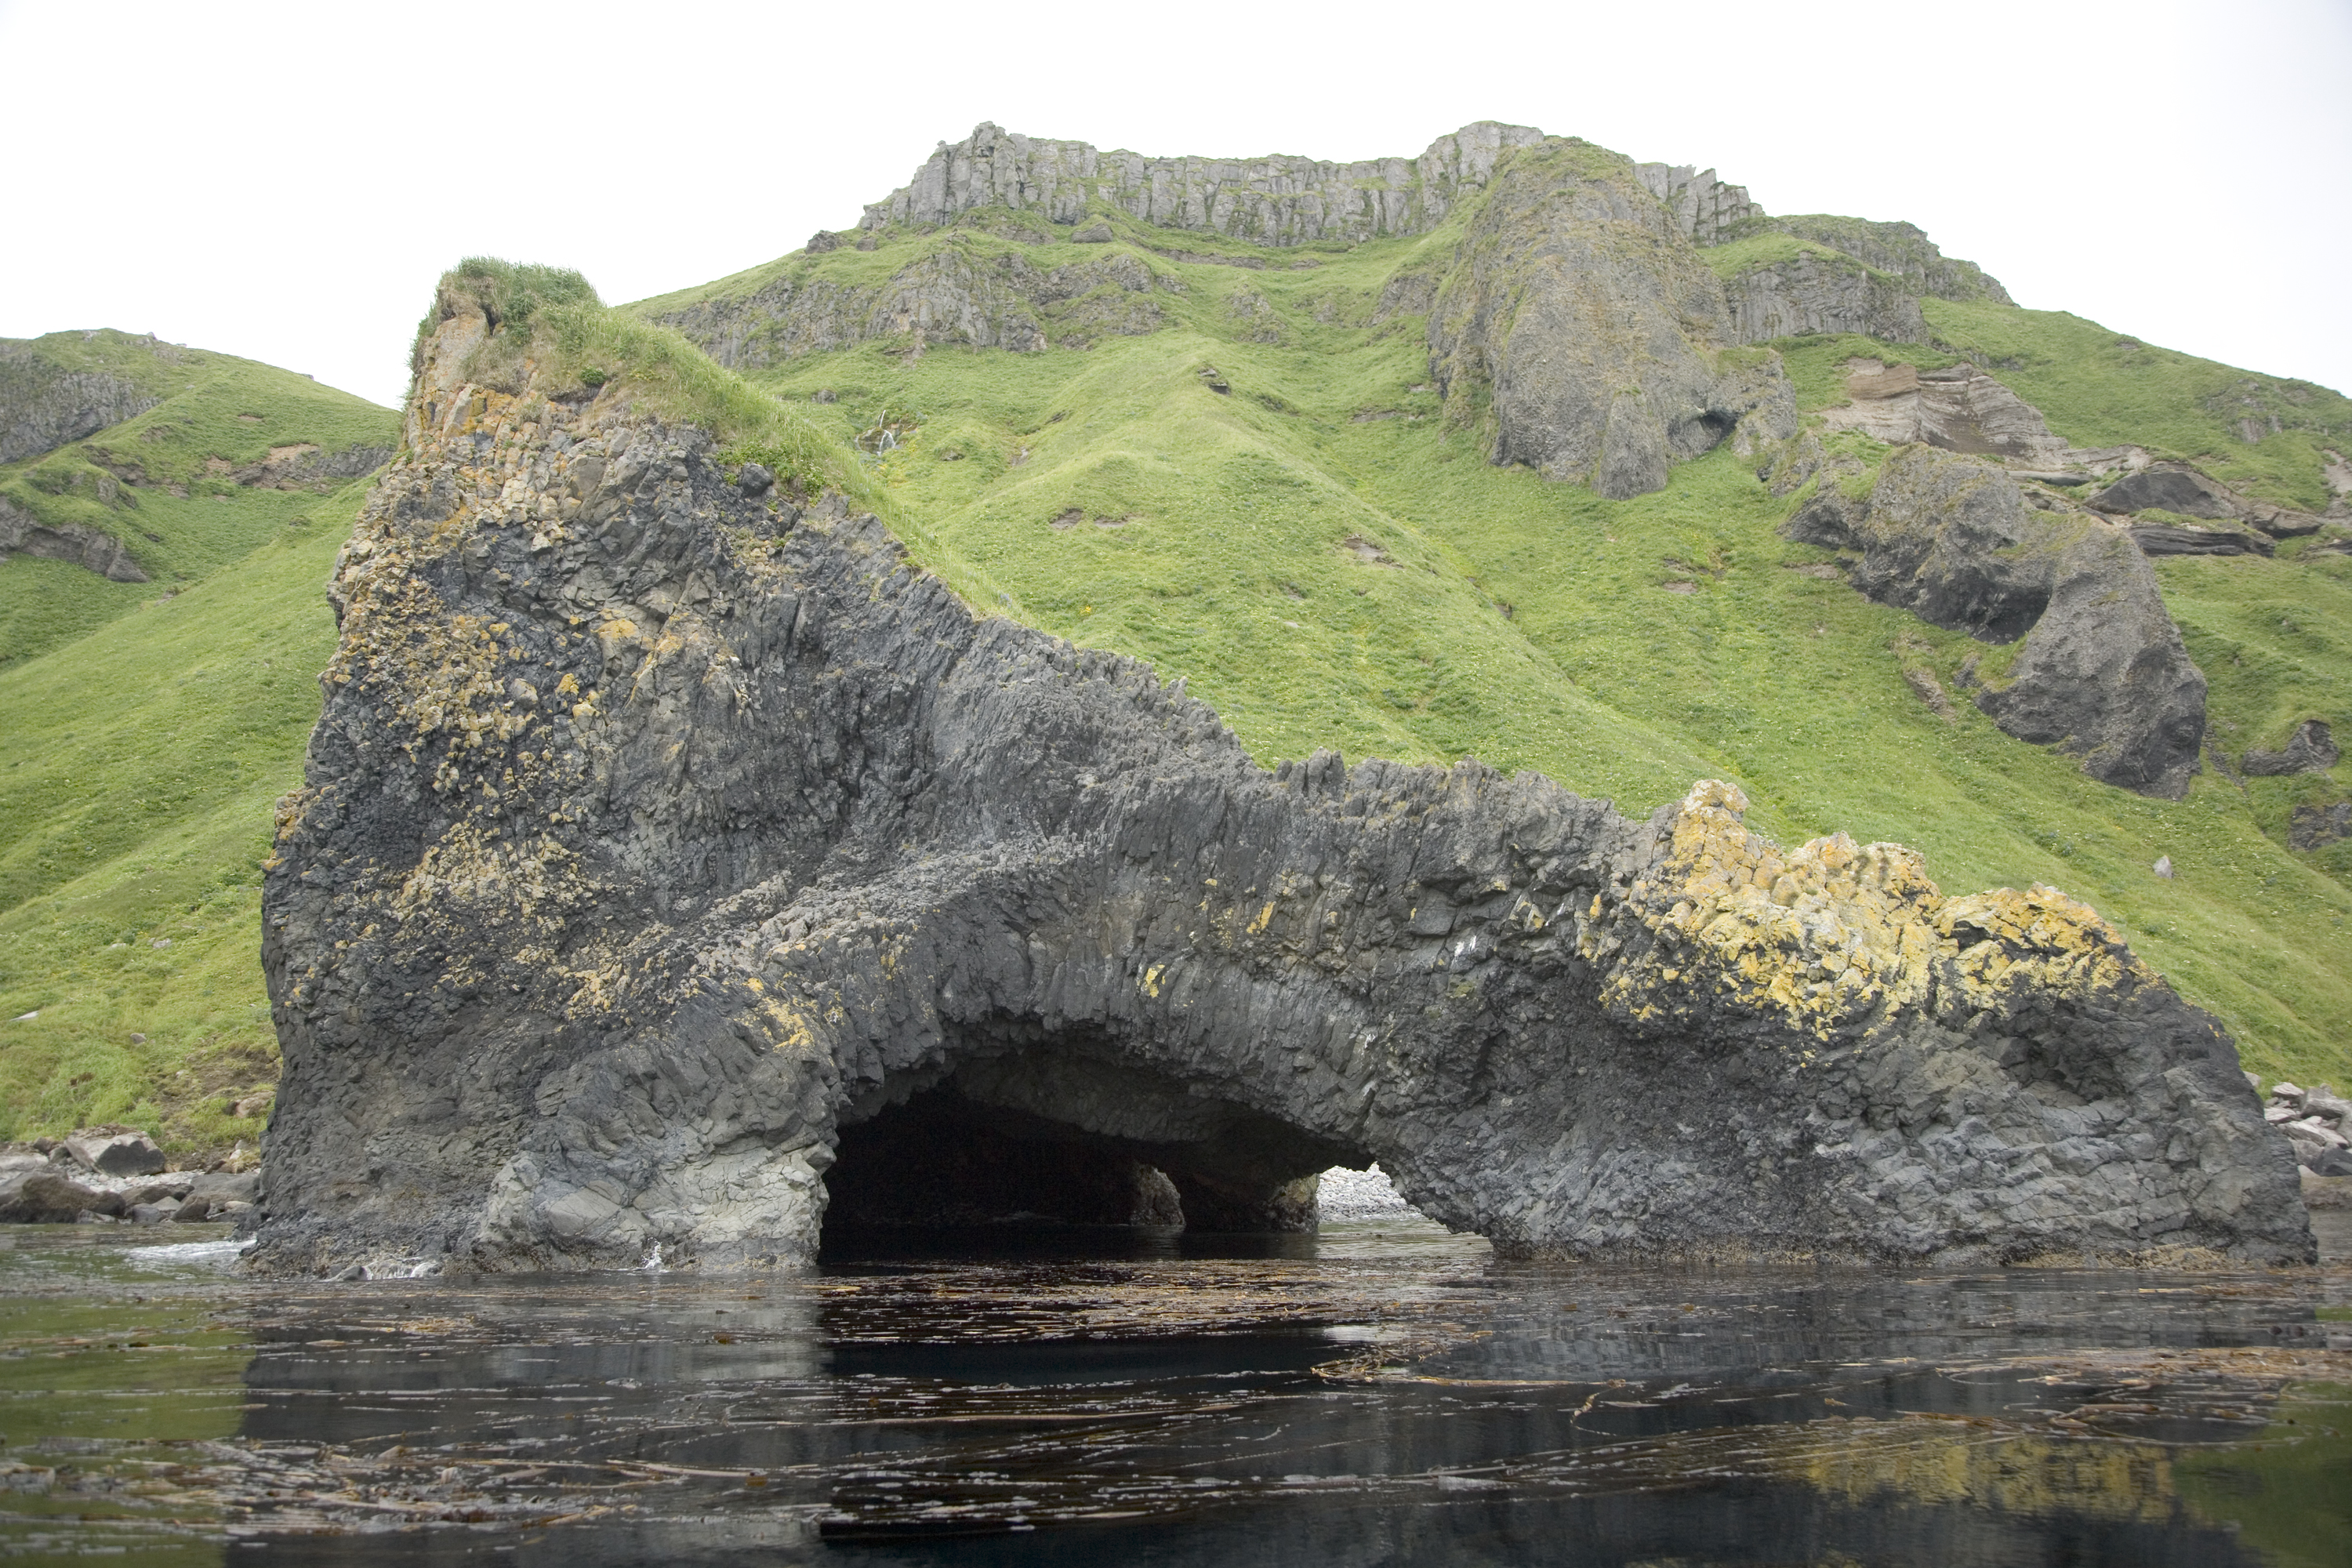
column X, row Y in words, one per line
column 657, row 832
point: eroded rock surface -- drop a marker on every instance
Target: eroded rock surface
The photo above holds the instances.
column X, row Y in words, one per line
column 1900, row 250
column 78, row 544
column 2103, row 674
column 657, row 838
column 1822, row 293
column 1958, row 408
column 2311, row 748
column 2189, row 491
column 1276, row 201
column 1578, row 308
column 45, row 404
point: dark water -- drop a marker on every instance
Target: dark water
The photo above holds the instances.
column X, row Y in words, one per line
column 1383, row 1395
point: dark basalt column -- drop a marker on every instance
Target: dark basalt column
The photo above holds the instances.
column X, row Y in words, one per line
column 657, row 838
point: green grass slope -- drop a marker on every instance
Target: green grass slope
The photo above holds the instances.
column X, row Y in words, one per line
column 149, row 727
column 1329, row 564
column 165, row 483
column 143, row 763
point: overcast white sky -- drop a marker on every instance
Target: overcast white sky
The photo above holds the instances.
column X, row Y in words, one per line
column 286, row 181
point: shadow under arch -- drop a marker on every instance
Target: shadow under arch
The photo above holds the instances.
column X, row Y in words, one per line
column 1023, row 1122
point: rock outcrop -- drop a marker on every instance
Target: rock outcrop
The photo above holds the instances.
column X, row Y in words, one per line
column 1275, row 201
column 1821, row 293
column 1704, row 208
column 1577, row 317
column 1899, row 250
column 2310, row 750
column 45, row 404
column 945, row 295
column 1584, row 320
column 2187, row 490
column 1958, row 408
column 659, row 835
column 2103, row 674
column 76, row 542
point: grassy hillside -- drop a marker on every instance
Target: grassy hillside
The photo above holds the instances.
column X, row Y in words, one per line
column 1329, row 564
column 177, row 485
column 144, row 761
column 149, row 728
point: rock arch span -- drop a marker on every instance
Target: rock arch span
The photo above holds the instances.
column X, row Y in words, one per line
column 658, row 836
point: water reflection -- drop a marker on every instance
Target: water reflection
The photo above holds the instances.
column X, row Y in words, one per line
column 1383, row 1393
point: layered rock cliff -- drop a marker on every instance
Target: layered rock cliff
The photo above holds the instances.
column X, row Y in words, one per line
column 664, row 830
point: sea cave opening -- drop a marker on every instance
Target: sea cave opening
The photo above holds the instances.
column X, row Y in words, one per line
column 1049, row 1132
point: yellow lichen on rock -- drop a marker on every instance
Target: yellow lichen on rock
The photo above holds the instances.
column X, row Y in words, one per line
column 1828, row 935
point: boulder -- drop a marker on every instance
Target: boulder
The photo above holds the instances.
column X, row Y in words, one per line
column 2310, row 750
column 116, row 1152
column 49, row 1197
column 1095, row 233
column 2330, row 1190
column 171, row 1189
column 839, row 875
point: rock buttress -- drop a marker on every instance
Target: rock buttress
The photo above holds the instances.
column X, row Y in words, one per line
column 655, row 834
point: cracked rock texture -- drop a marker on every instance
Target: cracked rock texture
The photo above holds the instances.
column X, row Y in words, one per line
column 1958, row 408
column 44, row 405
column 1278, row 201
column 1821, row 294
column 2102, row 675
column 1584, row 318
column 1900, row 250
column 655, row 840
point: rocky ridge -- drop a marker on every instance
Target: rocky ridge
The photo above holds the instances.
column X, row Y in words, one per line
column 663, row 829
column 1576, row 308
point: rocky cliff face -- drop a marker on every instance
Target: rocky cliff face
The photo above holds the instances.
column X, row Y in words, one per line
column 661, row 835
column 1579, row 312
column 1821, row 294
column 948, row 296
column 44, row 405
column 1274, row 201
column 2102, row 673
column 1900, row 250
